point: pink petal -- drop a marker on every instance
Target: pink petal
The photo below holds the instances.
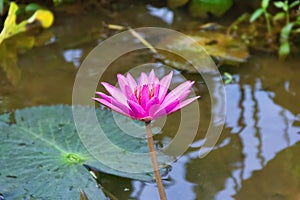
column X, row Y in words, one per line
column 184, row 95
column 122, row 82
column 156, row 112
column 143, row 80
column 167, row 108
column 133, row 115
column 152, row 77
column 171, row 106
column 104, row 96
column 144, row 96
column 115, row 93
column 114, row 102
column 131, row 82
column 177, row 92
column 112, row 106
column 184, row 103
column 164, row 86
column 151, row 103
column 130, row 94
column 137, row 109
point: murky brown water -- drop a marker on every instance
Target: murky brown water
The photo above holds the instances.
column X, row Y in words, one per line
column 257, row 156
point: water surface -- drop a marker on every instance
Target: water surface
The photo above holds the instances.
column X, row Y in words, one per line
column 257, row 155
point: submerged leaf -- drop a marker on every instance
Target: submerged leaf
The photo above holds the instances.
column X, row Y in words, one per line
column 223, row 48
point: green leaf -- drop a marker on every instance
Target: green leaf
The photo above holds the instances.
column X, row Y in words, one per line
column 265, row 4
column 295, row 3
column 297, row 30
column 256, row 15
column 285, row 7
column 284, row 50
column 44, row 17
column 200, row 8
column 285, row 31
column 279, row 16
column 279, row 4
column 1, row 6
column 228, row 78
column 42, row 156
column 32, row 7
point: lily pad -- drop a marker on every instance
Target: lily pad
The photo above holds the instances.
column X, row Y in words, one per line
column 42, row 156
column 224, row 49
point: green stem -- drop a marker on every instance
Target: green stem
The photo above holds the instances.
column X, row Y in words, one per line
column 287, row 14
column 158, row 180
column 268, row 22
column 287, row 17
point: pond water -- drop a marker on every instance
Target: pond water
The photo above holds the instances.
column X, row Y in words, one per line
column 257, row 155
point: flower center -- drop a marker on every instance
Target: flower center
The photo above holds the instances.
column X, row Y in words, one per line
column 138, row 92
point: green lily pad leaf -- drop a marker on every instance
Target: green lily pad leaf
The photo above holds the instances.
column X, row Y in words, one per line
column 118, row 142
column 201, row 8
column 4, row 119
column 42, row 156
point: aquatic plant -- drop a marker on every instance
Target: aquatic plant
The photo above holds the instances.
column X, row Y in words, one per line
column 41, row 17
column 146, row 100
column 283, row 22
column 263, row 10
column 284, row 49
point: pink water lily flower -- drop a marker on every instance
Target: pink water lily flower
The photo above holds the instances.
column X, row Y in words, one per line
column 147, row 99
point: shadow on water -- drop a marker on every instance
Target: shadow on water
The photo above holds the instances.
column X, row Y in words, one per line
column 257, row 156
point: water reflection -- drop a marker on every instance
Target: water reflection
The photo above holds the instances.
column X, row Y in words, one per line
column 279, row 179
column 164, row 13
column 74, row 56
column 257, row 156
column 262, row 129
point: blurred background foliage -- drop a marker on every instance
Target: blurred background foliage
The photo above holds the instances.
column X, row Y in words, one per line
column 231, row 30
